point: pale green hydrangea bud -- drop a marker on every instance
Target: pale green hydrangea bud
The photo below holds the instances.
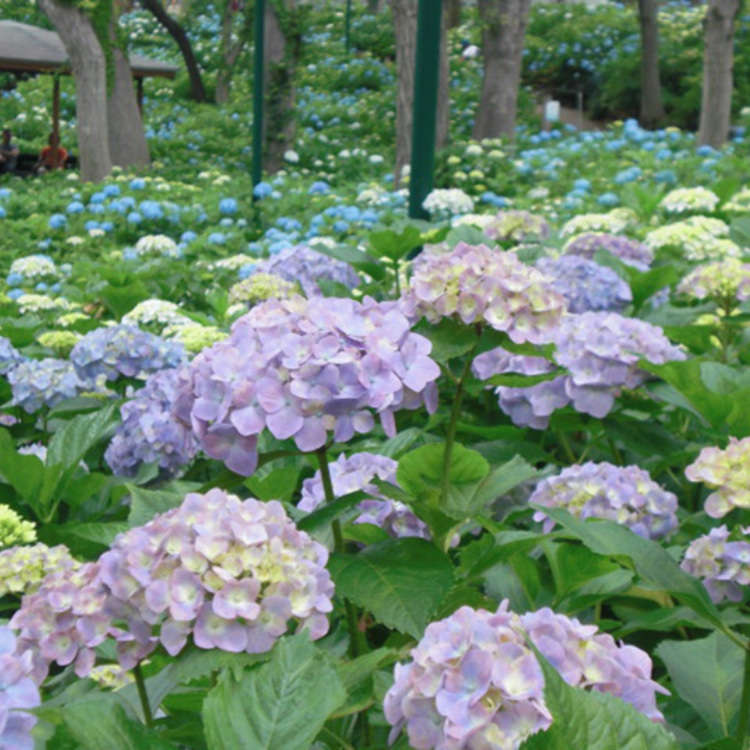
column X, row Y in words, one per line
column 613, row 222
column 194, row 336
column 14, row 529
column 111, row 676
column 739, row 203
column 260, row 287
column 23, row 568
column 689, row 200
column 157, row 313
column 234, row 262
column 699, row 238
column 41, row 303
column 726, row 471
column 70, row 319
column 61, row 342
column 723, row 281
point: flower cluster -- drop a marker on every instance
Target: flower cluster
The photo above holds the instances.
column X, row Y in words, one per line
column 61, row 342
column 41, row 303
column 739, row 203
column 229, row 573
column 726, row 471
column 18, row 692
column 442, row 203
column 722, row 561
column 124, row 350
column 600, row 350
column 615, row 221
column 23, row 568
column 689, row 200
column 517, row 226
column 585, row 284
column 356, row 474
column 194, row 336
column 9, row 356
column 32, row 268
column 303, row 368
column 698, row 237
column 629, row 251
column 14, row 529
column 149, row 433
column 626, row 495
column 472, row 682
column 476, row 283
column 305, row 266
column 723, row 280
column 233, row 262
column 156, row 244
column 259, row 287
column 155, row 312
column 44, row 382
column 586, row 658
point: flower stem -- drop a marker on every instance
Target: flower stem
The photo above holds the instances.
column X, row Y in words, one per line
column 743, row 741
column 140, row 683
column 357, row 642
column 450, row 435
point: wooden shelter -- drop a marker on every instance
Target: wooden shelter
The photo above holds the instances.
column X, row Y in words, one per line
column 31, row 49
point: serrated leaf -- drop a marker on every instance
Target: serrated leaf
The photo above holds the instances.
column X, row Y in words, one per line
column 70, row 444
column 707, row 674
column 327, row 512
column 145, row 504
column 449, row 338
column 593, row 720
column 102, row 723
column 400, row 581
column 282, row 704
column 395, row 245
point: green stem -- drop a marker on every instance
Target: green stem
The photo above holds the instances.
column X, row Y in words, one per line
column 567, row 450
column 450, row 435
column 743, row 741
column 357, row 642
column 143, row 695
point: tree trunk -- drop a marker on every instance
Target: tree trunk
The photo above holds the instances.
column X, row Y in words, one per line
column 88, row 65
column 718, row 60
column 127, row 141
column 453, row 13
column 231, row 48
column 197, row 91
column 503, row 29
column 282, row 53
column 652, row 108
column 405, row 28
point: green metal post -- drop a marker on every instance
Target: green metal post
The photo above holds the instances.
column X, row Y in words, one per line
column 257, row 168
column 348, row 26
column 426, row 74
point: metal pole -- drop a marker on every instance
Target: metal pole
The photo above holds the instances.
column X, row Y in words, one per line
column 426, row 74
column 348, row 26
column 257, row 168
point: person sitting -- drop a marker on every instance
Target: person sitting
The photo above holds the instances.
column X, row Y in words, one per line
column 53, row 156
column 8, row 153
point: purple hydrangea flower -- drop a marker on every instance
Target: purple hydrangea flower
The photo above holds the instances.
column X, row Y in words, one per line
column 629, row 251
column 9, row 356
column 626, row 495
column 46, row 382
column 588, row 659
column 124, row 350
column 722, row 561
column 18, row 692
column 356, row 473
column 229, row 573
column 149, row 432
column 472, row 682
column 305, row 266
column 600, row 351
column 304, row 368
column 585, row 284
column 479, row 284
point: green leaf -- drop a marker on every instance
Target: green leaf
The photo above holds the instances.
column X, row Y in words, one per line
column 102, row 723
column 70, row 444
column 401, row 581
column 278, row 484
column 23, row 473
column 395, row 245
column 282, row 704
column 361, row 261
column 449, row 338
column 514, row 380
column 327, row 512
column 707, row 674
column 99, row 533
column 739, row 231
column 650, row 560
column 593, row 721
column 145, row 504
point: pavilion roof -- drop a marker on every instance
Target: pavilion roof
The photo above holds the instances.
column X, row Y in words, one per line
column 36, row 50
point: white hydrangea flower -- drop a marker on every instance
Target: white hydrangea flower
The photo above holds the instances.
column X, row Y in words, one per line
column 688, row 200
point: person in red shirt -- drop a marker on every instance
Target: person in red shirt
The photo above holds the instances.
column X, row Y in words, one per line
column 52, row 156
